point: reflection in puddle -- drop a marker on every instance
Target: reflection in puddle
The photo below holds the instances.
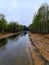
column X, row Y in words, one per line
column 15, row 37
column 16, row 51
column 24, row 33
column 3, row 42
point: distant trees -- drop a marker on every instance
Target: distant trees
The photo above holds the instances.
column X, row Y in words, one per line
column 40, row 23
column 25, row 28
column 11, row 27
column 3, row 25
column 14, row 27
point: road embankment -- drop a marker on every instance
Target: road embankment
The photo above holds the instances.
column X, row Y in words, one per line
column 2, row 36
column 40, row 48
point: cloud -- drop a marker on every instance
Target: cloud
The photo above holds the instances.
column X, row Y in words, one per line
column 15, row 5
column 20, row 10
column 8, row 4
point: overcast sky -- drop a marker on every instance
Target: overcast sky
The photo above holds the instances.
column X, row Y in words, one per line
column 20, row 10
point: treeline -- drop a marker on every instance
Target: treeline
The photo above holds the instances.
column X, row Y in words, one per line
column 40, row 23
column 9, row 27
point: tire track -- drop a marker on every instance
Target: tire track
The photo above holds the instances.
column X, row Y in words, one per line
column 36, row 55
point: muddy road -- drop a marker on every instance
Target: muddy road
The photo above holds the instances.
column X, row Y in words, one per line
column 16, row 51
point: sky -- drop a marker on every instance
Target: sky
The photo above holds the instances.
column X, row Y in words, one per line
column 21, row 11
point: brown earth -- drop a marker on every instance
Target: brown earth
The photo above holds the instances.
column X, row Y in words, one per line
column 40, row 48
column 7, row 35
column 3, row 35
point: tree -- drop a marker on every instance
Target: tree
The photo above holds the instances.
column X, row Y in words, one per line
column 3, row 25
column 40, row 22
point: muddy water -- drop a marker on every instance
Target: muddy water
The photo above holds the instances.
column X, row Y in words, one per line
column 16, row 51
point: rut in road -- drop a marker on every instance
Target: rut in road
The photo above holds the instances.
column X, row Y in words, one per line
column 38, row 59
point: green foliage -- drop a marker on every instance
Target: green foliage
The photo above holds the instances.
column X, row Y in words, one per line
column 40, row 23
column 14, row 27
column 11, row 27
column 3, row 25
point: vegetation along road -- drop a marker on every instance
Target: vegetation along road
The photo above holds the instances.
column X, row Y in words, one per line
column 27, row 48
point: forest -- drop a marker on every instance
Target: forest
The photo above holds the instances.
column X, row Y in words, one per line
column 40, row 22
column 6, row 27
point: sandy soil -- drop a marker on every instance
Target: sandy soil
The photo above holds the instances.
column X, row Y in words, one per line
column 7, row 35
column 40, row 48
